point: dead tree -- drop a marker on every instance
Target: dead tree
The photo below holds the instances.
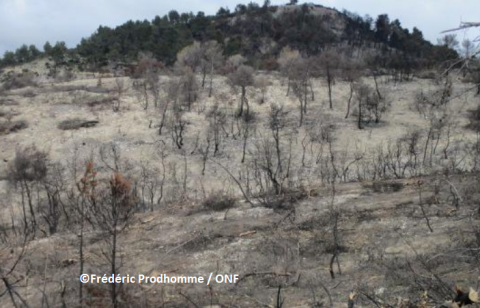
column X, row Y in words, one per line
column 370, row 106
column 188, row 87
column 266, row 167
column 141, row 88
column 53, row 209
column 217, row 119
column 84, row 202
column 190, row 57
column 300, row 81
column 111, row 157
column 376, row 105
column 434, row 103
column 26, row 171
column 151, row 183
column 419, row 185
column 362, row 94
column 336, row 244
column 233, row 63
column 113, row 207
column 204, row 151
column 271, row 159
column 433, row 106
column 147, row 73
column 9, row 264
column 119, row 88
column 178, row 127
column 287, row 59
column 329, row 62
column 152, row 81
column 242, row 77
column 411, row 141
column 176, row 122
column 173, row 92
column 244, row 125
column 277, row 122
column 351, row 73
column 334, row 218
column 212, row 59
column 262, row 83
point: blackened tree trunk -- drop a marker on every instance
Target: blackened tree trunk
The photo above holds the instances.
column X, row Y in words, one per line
column 305, row 95
column 360, row 126
column 245, row 139
column 301, row 112
column 349, row 101
column 311, row 90
column 376, row 86
column 204, row 76
column 329, row 81
column 211, row 80
column 162, row 120
column 114, row 266
column 81, row 256
column 244, row 102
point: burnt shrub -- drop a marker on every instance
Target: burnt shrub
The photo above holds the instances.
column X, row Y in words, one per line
column 76, row 124
column 12, row 126
column 218, row 202
column 386, row 186
column 30, row 164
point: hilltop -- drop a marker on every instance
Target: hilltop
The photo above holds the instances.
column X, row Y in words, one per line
column 257, row 32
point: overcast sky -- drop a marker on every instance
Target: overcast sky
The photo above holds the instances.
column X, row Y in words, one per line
column 36, row 21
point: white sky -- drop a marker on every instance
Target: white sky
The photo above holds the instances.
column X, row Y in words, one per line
column 36, row 21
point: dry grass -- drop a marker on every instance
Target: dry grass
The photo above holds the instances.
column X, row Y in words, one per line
column 130, row 126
